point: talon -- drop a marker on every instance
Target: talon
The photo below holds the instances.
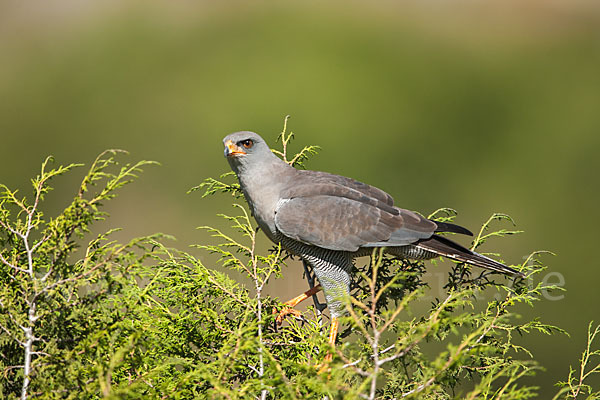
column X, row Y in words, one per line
column 324, row 367
column 287, row 306
column 285, row 312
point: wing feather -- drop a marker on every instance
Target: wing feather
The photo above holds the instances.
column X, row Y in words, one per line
column 307, row 177
column 335, row 223
column 339, row 223
column 339, row 213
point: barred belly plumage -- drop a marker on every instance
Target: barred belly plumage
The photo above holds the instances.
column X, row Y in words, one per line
column 332, row 269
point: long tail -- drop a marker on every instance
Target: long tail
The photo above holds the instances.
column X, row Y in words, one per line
column 447, row 248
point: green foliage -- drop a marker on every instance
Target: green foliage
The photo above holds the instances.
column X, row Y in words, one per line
column 90, row 318
column 57, row 297
column 575, row 386
column 303, row 155
column 212, row 186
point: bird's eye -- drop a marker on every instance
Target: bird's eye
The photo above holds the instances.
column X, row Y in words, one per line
column 248, row 143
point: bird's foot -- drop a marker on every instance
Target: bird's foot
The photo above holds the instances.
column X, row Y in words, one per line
column 325, row 366
column 288, row 311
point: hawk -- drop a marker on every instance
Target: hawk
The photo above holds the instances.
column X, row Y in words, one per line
column 328, row 220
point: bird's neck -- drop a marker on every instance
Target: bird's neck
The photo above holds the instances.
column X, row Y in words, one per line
column 262, row 185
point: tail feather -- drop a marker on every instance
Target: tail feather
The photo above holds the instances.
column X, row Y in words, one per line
column 447, row 248
column 448, row 227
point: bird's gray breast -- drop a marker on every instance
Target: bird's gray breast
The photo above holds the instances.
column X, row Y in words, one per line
column 262, row 203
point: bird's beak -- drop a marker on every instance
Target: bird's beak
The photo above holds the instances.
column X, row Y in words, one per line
column 232, row 149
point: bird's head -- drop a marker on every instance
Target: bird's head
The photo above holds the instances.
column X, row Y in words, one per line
column 244, row 149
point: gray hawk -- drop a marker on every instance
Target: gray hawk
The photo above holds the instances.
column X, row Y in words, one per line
column 328, row 220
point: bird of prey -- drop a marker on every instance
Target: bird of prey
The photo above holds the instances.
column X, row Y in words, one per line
column 328, row 220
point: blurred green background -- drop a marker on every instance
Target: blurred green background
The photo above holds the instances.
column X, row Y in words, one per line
column 479, row 106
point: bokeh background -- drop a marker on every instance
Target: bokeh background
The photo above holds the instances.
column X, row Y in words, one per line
column 479, row 106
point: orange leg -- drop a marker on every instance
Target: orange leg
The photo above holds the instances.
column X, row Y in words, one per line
column 335, row 323
column 293, row 302
column 324, row 367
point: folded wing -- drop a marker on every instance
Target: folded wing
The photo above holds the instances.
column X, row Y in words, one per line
column 338, row 217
